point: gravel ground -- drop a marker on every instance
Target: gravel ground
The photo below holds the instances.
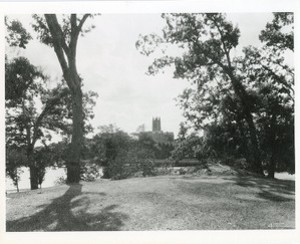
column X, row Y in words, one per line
column 156, row 203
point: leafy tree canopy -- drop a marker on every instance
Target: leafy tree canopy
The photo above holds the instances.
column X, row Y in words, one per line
column 279, row 33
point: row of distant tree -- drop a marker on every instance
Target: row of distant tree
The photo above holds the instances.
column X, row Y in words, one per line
column 111, row 149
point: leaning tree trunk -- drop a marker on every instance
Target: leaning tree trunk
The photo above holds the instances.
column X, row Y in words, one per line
column 73, row 163
column 256, row 157
column 241, row 93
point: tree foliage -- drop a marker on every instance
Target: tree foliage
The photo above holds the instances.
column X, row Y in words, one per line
column 279, row 33
column 123, row 155
column 26, row 91
column 25, row 124
column 16, row 34
column 235, row 101
column 14, row 158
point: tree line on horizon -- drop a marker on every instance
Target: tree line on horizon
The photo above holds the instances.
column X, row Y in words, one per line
column 119, row 154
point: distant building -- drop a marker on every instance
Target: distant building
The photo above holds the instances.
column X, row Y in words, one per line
column 156, row 126
column 158, row 135
column 161, row 143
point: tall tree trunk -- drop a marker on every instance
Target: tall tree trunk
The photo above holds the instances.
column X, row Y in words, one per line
column 63, row 50
column 17, row 185
column 271, row 168
column 34, row 183
column 73, row 164
column 273, row 147
column 33, row 170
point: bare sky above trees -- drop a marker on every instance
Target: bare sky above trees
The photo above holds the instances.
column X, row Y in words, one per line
column 110, row 65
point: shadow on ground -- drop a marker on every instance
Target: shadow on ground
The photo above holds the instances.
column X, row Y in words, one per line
column 274, row 190
column 58, row 215
column 270, row 189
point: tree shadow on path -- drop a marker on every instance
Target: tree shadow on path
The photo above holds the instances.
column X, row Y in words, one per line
column 58, row 215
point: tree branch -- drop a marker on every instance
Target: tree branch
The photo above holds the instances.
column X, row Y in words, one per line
column 223, row 43
column 56, row 31
column 75, row 30
column 49, row 105
column 81, row 22
column 57, row 44
column 73, row 41
column 73, row 23
column 281, row 80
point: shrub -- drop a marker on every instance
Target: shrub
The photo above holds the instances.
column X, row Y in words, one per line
column 60, row 181
column 147, row 167
column 130, row 163
column 89, row 172
column 117, row 169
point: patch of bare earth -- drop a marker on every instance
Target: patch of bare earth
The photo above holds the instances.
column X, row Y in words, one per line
column 157, row 203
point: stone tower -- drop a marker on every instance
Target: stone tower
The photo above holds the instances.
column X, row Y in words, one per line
column 156, row 124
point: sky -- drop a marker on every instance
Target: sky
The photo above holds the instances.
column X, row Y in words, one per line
column 110, row 65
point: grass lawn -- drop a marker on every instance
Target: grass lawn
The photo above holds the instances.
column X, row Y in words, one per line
column 156, row 203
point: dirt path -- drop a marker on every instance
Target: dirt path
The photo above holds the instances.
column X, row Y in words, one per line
column 156, row 203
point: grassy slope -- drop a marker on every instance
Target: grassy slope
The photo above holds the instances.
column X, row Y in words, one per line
column 156, row 203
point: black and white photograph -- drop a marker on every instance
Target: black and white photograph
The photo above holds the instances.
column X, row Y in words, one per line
column 166, row 121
